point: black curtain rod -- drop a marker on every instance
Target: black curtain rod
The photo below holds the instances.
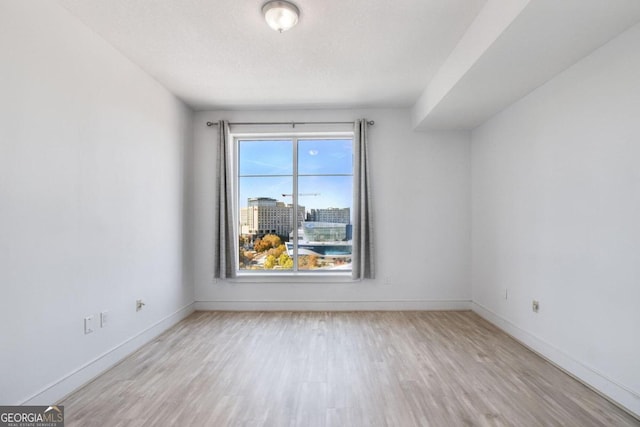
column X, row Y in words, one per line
column 292, row 124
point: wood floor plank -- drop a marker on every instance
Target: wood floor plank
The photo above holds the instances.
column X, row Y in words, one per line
column 337, row 369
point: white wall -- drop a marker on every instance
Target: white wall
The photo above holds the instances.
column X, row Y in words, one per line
column 421, row 207
column 91, row 203
column 556, row 217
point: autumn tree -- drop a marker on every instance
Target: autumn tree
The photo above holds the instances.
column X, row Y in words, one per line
column 272, row 240
column 267, row 242
column 306, row 262
column 270, row 262
column 285, row 261
column 276, row 252
column 312, row 261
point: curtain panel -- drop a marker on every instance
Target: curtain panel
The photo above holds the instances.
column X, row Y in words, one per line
column 363, row 266
column 224, row 262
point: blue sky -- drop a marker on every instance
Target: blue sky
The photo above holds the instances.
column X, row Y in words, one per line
column 269, row 166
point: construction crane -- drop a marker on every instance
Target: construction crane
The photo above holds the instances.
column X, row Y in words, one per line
column 302, row 194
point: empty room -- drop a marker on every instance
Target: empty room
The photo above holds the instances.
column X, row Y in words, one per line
column 319, row 213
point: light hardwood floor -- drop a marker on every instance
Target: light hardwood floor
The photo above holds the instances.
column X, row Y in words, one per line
column 337, row 368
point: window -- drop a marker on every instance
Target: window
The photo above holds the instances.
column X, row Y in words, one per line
column 294, row 203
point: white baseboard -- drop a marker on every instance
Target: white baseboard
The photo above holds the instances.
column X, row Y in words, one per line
column 619, row 394
column 395, row 305
column 59, row 389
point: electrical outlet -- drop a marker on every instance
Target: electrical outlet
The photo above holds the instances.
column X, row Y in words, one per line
column 535, row 306
column 139, row 304
column 387, row 280
column 88, row 325
column 104, row 319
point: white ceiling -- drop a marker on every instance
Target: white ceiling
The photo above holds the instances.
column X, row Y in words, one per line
column 456, row 62
column 216, row 54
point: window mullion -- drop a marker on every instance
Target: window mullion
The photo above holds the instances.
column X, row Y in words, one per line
column 294, row 200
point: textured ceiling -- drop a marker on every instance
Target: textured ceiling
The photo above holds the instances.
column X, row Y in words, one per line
column 344, row 53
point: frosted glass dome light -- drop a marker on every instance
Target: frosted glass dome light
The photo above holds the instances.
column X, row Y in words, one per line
column 280, row 15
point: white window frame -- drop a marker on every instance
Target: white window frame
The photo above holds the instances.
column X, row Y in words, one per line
column 279, row 276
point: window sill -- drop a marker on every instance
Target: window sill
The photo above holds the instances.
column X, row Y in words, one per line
column 293, row 278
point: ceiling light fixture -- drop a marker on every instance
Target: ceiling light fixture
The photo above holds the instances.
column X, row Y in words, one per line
column 280, row 15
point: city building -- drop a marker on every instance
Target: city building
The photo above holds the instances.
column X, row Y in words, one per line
column 337, row 215
column 326, row 231
column 264, row 215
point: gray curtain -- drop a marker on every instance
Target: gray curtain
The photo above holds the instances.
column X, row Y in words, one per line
column 363, row 249
column 224, row 263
